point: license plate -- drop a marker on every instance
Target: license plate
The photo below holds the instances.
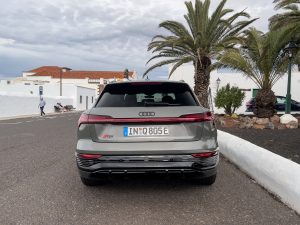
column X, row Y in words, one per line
column 145, row 131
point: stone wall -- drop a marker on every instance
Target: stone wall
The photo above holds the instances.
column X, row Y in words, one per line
column 248, row 122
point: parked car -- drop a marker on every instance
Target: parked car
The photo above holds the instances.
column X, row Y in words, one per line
column 280, row 104
column 146, row 126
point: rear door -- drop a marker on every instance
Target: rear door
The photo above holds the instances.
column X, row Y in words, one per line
column 147, row 111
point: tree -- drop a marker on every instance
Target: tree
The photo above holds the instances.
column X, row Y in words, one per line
column 126, row 74
column 203, row 39
column 289, row 17
column 229, row 98
column 262, row 60
column 290, row 20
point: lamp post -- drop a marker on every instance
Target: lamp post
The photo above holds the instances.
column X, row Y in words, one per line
column 218, row 81
column 289, row 51
column 60, row 82
column 61, row 70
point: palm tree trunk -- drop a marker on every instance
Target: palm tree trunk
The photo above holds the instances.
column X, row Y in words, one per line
column 202, row 77
column 265, row 103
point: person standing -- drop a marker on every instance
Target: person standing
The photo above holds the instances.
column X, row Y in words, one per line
column 42, row 105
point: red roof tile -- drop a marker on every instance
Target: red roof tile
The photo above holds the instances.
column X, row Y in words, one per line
column 54, row 72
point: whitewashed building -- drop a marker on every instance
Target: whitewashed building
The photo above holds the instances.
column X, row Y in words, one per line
column 19, row 99
column 186, row 73
column 21, row 95
column 89, row 79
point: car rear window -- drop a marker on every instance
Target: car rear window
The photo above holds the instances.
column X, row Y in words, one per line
column 146, row 94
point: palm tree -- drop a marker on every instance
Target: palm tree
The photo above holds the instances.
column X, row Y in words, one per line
column 290, row 20
column 203, row 39
column 290, row 17
column 126, row 74
column 262, row 60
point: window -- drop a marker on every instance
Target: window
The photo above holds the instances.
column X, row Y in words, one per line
column 281, row 100
column 146, row 94
column 80, row 99
column 92, row 99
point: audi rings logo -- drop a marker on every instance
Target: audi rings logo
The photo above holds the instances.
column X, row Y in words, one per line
column 146, row 114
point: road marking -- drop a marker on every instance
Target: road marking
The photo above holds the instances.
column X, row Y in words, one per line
column 18, row 135
column 28, row 121
column 10, row 123
column 50, row 117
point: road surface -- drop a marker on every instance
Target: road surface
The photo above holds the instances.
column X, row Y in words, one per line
column 40, row 185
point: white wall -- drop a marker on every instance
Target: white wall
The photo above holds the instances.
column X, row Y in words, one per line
column 80, row 82
column 87, row 96
column 277, row 174
column 52, row 90
column 186, row 73
column 11, row 105
column 48, row 89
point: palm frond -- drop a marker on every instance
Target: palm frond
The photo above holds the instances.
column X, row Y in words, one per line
column 260, row 58
column 204, row 36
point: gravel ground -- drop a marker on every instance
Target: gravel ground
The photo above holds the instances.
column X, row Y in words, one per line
column 282, row 142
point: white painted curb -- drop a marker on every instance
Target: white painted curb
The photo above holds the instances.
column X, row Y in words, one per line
column 277, row 174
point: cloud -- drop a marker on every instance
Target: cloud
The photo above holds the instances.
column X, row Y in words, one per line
column 6, row 41
column 94, row 34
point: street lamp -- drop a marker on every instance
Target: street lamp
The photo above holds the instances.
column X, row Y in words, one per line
column 289, row 49
column 218, row 81
column 61, row 70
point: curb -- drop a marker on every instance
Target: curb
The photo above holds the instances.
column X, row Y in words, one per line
column 277, row 174
column 37, row 115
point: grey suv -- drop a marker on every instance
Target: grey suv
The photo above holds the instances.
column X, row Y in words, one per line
column 147, row 126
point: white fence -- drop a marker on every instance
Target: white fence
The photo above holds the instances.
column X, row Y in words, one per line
column 11, row 106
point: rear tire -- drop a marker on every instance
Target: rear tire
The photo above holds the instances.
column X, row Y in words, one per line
column 205, row 181
column 88, row 182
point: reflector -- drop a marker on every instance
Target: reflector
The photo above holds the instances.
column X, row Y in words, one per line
column 205, row 154
column 89, row 156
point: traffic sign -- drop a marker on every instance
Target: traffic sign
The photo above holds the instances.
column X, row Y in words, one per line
column 41, row 90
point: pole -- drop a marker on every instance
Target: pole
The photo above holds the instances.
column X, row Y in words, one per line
column 60, row 75
column 288, row 95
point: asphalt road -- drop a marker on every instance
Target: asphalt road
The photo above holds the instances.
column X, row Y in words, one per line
column 40, row 185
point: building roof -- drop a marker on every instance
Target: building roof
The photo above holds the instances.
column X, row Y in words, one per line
column 54, row 72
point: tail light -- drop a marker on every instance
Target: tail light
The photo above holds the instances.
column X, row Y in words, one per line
column 89, row 156
column 205, row 154
column 189, row 118
column 85, row 118
column 201, row 117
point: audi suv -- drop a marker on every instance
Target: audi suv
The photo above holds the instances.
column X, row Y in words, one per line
column 147, row 127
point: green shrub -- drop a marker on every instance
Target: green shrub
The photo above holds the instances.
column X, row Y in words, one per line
column 229, row 98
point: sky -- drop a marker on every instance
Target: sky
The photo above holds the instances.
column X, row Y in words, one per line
column 93, row 34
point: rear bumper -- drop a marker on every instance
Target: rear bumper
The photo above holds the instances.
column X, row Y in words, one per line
column 184, row 164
